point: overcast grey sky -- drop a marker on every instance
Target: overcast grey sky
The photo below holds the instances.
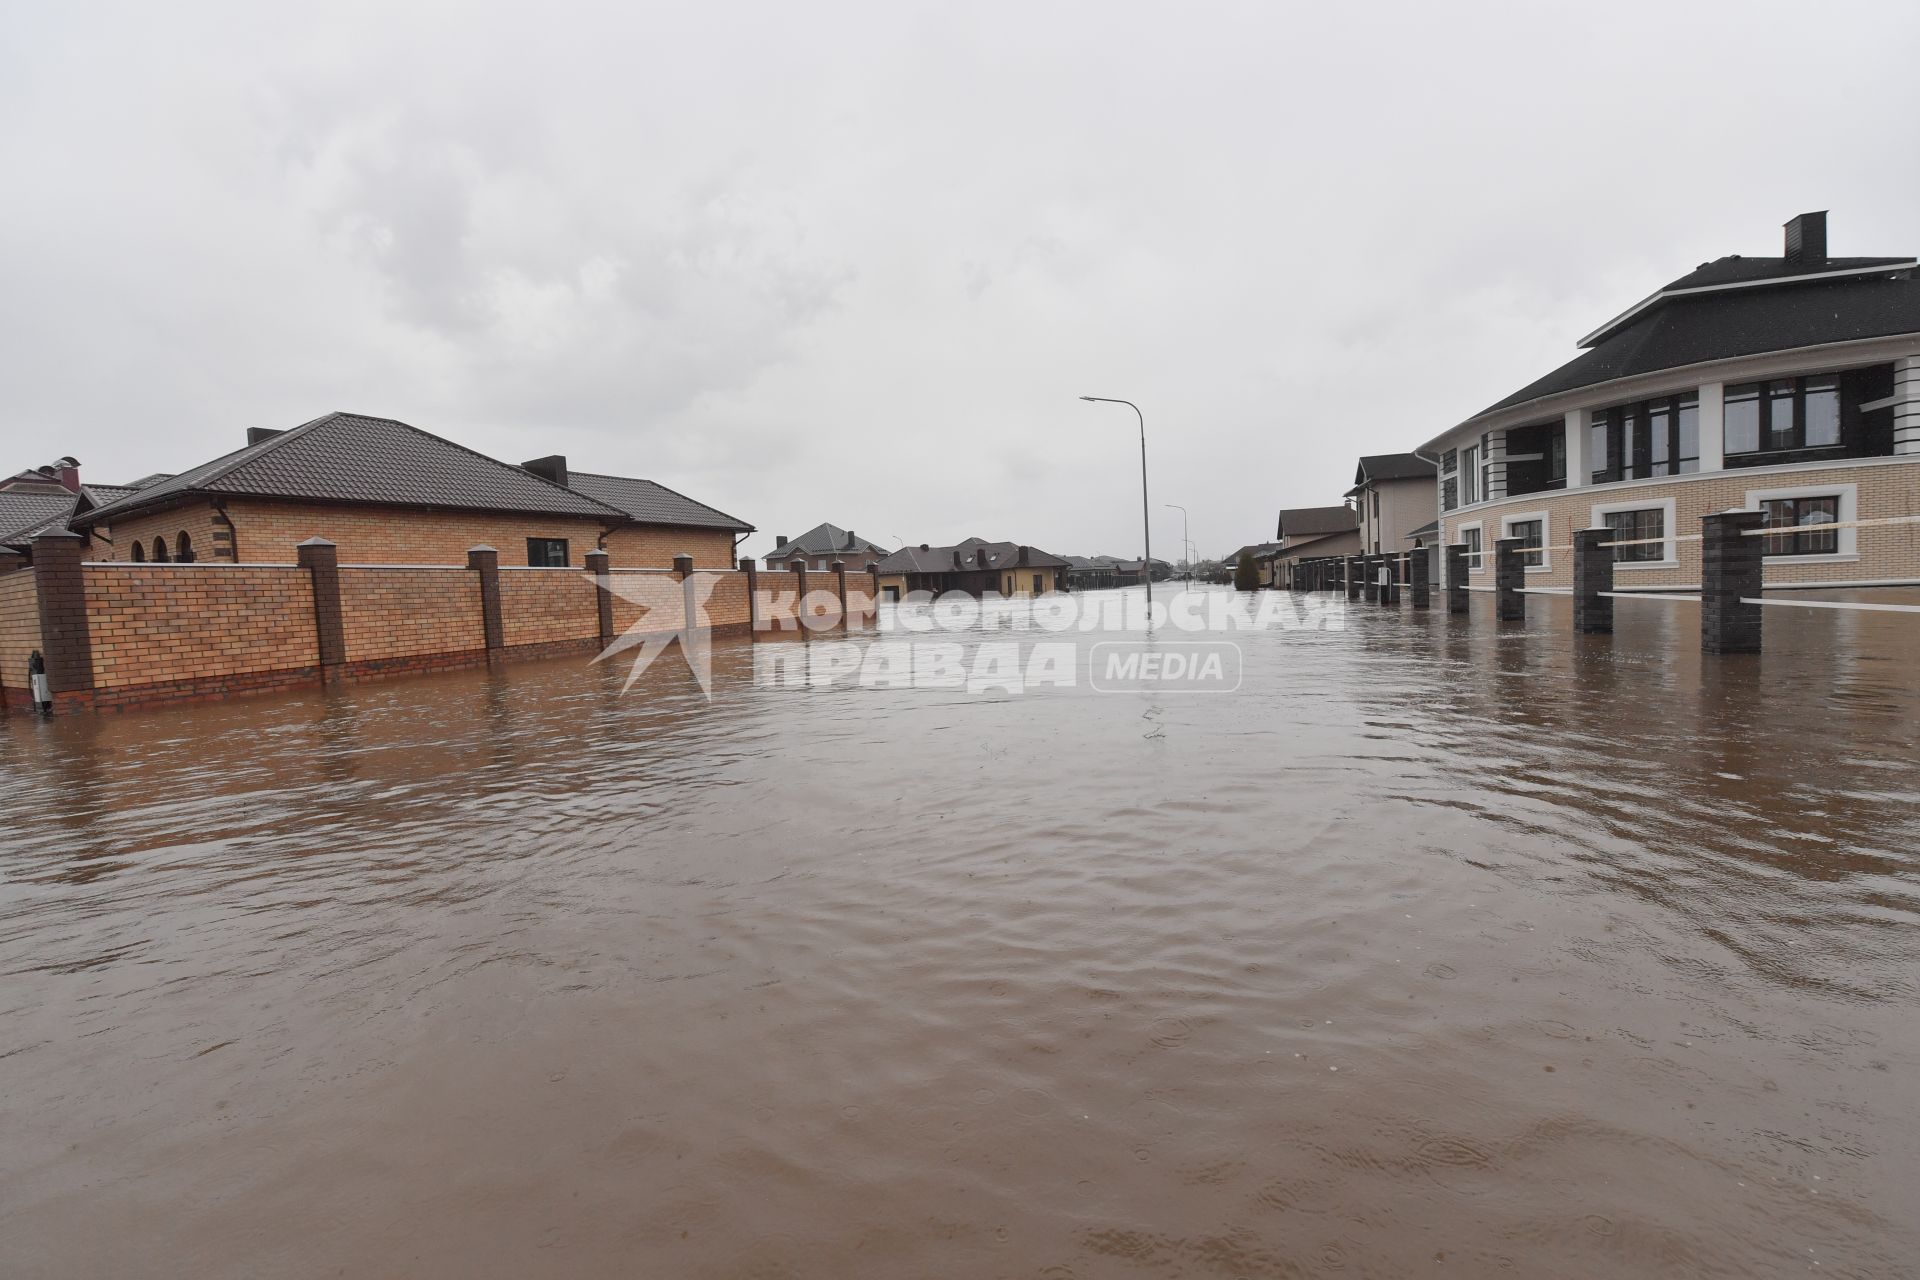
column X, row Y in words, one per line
column 855, row 262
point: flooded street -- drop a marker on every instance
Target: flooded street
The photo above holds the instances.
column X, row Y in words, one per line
column 1439, row 948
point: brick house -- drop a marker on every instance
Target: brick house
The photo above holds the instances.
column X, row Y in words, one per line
column 821, row 545
column 977, row 567
column 1785, row 385
column 1309, row 533
column 43, row 498
column 1393, row 494
column 389, row 493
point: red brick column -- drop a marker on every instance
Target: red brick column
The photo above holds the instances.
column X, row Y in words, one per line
column 485, row 561
column 599, row 564
column 800, row 593
column 840, row 582
column 65, row 641
column 321, row 560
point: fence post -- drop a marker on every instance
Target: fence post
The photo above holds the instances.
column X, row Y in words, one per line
column 66, row 642
column 1456, row 565
column 800, row 594
column 1420, row 589
column 1351, row 571
column 485, row 561
column 1592, row 579
column 1730, row 574
column 873, row 572
column 599, row 564
column 840, row 585
column 1390, row 580
column 752, row 570
column 1370, row 578
column 321, row 559
column 1509, row 575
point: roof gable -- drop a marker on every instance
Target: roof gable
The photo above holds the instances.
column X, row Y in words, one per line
column 1303, row 522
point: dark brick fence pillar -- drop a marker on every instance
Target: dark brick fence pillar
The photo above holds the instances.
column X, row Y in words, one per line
column 65, row 641
column 321, row 559
column 600, row 565
column 1390, row 580
column 1370, row 575
column 1592, row 580
column 751, row 568
column 1353, row 577
column 485, row 561
column 1418, row 585
column 1456, row 565
column 1730, row 572
column 840, row 585
column 800, row 594
column 1509, row 575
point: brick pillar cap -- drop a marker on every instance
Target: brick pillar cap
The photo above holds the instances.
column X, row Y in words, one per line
column 483, row 547
column 317, row 542
column 597, row 551
column 57, row 533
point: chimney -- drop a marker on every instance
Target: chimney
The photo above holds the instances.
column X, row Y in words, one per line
column 256, row 434
column 67, row 472
column 1021, row 559
column 958, row 563
column 779, row 541
column 925, row 547
column 1807, row 238
column 553, row 468
column 980, row 556
column 852, row 542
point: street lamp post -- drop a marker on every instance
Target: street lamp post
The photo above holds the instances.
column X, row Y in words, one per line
column 1146, row 528
column 1186, row 543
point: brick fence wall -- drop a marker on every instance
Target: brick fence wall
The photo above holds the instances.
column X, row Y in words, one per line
column 169, row 632
column 19, row 635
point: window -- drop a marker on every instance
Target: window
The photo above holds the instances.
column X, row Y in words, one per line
column 139, row 554
column 1471, row 536
column 1532, row 540
column 159, row 550
column 1036, row 584
column 1470, row 472
column 547, row 553
column 1659, row 437
column 183, row 548
column 1633, row 526
column 1785, row 413
column 1786, row 513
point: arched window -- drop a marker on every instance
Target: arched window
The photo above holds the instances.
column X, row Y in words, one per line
column 183, row 548
column 159, row 550
column 139, row 553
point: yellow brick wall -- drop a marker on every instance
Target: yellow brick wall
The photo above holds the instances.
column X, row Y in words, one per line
column 19, row 626
column 399, row 613
column 153, row 623
column 267, row 532
column 1884, row 489
column 541, row 606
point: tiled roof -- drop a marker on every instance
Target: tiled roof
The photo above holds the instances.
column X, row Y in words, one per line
column 1392, row 466
column 821, row 539
column 1000, row 555
column 26, row 512
column 652, row 503
column 349, row 457
column 1308, row 522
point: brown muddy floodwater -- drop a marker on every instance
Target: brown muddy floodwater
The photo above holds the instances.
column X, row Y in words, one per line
column 1438, row 949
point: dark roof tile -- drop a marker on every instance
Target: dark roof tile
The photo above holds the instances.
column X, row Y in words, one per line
column 652, row 503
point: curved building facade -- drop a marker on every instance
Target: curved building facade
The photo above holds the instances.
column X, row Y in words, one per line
column 1786, row 385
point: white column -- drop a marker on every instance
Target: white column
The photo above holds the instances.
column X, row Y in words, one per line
column 1579, row 471
column 1713, row 426
column 1496, row 465
column 1906, row 405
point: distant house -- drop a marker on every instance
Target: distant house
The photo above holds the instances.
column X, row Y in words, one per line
column 389, row 493
column 1395, row 493
column 41, row 499
column 976, row 567
column 1264, row 555
column 1307, row 533
column 821, row 545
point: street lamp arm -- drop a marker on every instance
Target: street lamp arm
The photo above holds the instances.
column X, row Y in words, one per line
column 1146, row 526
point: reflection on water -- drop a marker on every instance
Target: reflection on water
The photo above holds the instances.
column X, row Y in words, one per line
column 1440, row 946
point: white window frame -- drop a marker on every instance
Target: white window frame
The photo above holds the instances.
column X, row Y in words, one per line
column 1669, row 553
column 1546, row 535
column 1460, row 535
column 1848, row 541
